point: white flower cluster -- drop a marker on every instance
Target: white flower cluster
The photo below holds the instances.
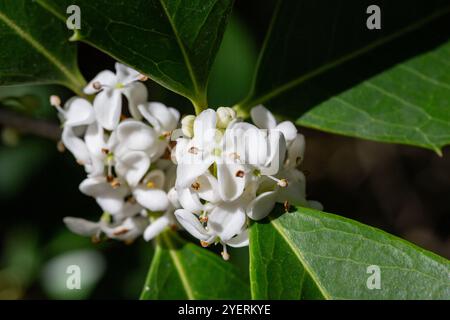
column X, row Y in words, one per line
column 220, row 173
column 124, row 158
column 229, row 171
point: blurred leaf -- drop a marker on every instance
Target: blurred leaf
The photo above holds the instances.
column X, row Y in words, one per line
column 183, row 270
column 408, row 104
column 173, row 42
column 55, row 274
column 19, row 163
column 310, row 254
column 311, row 54
column 35, row 48
column 232, row 72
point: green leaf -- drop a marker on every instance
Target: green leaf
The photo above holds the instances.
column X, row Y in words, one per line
column 183, row 270
column 35, row 47
column 408, row 104
column 173, row 42
column 310, row 254
column 311, row 54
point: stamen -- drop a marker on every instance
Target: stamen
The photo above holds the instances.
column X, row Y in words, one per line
column 105, row 150
column 193, row 150
column 204, row 244
column 60, row 146
column 287, row 206
column 283, row 183
column 81, row 163
column 55, row 101
column 224, row 253
column 115, row 183
column 203, row 218
column 120, row 231
column 97, row 85
column 195, row 186
column 142, row 78
column 240, row 174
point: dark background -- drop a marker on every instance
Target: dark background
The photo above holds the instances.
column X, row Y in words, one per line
column 402, row 190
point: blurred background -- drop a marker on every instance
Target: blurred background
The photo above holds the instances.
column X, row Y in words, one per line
column 400, row 189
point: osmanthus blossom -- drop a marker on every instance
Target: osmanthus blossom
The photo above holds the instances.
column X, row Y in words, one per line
column 110, row 88
column 229, row 171
column 125, row 170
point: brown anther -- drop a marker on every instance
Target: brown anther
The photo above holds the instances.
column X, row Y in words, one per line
column 283, row 183
column 115, row 184
column 81, row 163
column 120, row 231
column 95, row 239
column 97, row 85
column 166, row 134
column 173, row 227
column 105, row 150
column 195, row 186
column 143, row 78
column 287, row 206
column 109, row 178
column 240, row 174
column 193, row 150
column 123, row 117
column 130, row 199
column 204, row 244
column 60, row 146
column 203, row 219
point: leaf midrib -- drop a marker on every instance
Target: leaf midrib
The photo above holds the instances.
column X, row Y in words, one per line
column 43, row 51
column 178, row 266
column 183, row 51
column 250, row 101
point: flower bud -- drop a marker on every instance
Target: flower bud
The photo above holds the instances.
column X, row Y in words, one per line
column 224, row 116
column 187, row 126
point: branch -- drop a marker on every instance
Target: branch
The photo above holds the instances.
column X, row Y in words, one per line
column 42, row 128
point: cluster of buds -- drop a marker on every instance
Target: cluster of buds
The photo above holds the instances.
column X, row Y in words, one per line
column 211, row 176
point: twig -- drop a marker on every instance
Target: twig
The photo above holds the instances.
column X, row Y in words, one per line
column 42, row 128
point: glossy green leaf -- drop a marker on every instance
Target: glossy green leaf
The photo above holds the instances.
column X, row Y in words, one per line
column 183, row 270
column 408, row 104
column 315, row 50
column 310, row 254
column 173, row 42
column 35, row 48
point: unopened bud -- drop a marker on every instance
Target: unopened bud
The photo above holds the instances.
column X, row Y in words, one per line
column 187, row 126
column 224, row 116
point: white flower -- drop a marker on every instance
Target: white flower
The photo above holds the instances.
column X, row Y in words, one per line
column 76, row 115
column 108, row 102
column 127, row 230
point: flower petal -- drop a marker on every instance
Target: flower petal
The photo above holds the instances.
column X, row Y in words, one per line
column 125, row 74
column 263, row 118
column 288, row 129
column 226, row 220
column 241, row 240
column 190, row 201
column 108, row 108
column 78, row 112
column 190, row 222
column 81, row 226
column 156, row 227
column 262, row 205
column 95, row 140
column 75, row 145
column 136, row 94
column 136, row 135
column 105, row 77
column 231, row 178
column 159, row 116
column 205, row 125
column 132, row 166
column 153, row 199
